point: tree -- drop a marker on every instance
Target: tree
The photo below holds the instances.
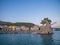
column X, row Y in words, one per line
column 45, row 20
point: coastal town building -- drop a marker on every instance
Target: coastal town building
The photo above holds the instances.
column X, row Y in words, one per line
column 35, row 28
column 24, row 28
column 18, row 28
column 12, row 28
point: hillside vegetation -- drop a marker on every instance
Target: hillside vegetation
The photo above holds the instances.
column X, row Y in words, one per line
column 17, row 23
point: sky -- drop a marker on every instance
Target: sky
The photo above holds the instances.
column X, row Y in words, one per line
column 32, row 11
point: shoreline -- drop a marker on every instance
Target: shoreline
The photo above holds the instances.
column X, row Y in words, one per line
column 18, row 32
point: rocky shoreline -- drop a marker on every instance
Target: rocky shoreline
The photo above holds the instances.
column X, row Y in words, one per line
column 21, row 31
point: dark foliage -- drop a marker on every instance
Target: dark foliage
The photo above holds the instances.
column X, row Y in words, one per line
column 17, row 23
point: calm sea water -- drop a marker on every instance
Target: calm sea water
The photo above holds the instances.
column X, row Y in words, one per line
column 30, row 39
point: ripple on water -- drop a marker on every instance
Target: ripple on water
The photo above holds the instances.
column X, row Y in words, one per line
column 30, row 39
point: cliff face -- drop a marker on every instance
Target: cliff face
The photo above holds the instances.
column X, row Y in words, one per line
column 46, row 29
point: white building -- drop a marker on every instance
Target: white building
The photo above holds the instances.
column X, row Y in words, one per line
column 24, row 28
column 35, row 28
column 18, row 28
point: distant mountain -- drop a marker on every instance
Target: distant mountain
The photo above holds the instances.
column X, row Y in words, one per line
column 5, row 23
column 17, row 23
column 56, row 25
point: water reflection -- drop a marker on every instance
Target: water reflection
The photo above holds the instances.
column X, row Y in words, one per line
column 30, row 39
column 47, row 40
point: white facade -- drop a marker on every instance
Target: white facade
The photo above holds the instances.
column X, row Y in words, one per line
column 35, row 28
column 24, row 28
column 18, row 28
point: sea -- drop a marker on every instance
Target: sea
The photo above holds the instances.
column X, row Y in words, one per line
column 30, row 39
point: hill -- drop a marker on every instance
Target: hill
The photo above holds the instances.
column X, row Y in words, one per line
column 17, row 23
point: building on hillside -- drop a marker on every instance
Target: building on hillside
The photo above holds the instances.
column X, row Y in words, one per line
column 24, row 28
column 12, row 28
column 5, row 28
column 35, row 28
column 1, row 27
column 18, row 28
